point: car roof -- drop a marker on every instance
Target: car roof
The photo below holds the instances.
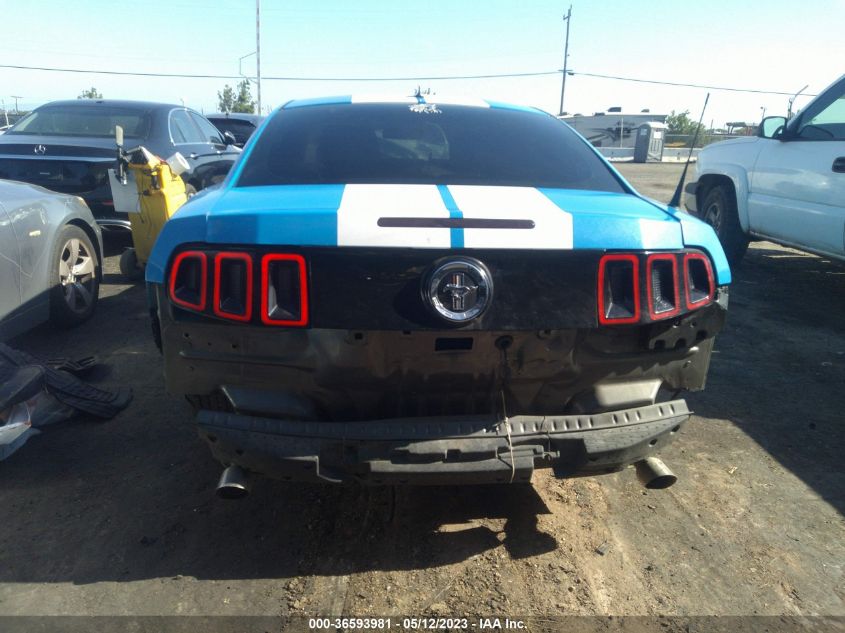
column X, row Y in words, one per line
column 413, row 100
column 145, row 105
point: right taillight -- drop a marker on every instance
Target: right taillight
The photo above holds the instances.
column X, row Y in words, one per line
column 189, row 280
column 672, row 283
column 700, row 287
column 284, row 290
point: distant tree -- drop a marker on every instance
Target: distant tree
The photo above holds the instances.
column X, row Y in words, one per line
column 680, row 123
column 90, row 93
column 226, row 99
column 230, row 101
column 244, row 101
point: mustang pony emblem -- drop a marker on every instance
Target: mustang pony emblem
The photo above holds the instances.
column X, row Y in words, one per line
column 458, row 289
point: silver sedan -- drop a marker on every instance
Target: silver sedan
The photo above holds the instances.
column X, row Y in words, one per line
column 50, row 258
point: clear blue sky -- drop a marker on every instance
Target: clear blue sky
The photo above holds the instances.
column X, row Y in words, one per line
column 769, row 45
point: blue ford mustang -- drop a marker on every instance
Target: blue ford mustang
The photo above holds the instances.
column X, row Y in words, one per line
column 425, row 290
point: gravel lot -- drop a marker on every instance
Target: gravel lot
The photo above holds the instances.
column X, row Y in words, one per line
column 120, row 517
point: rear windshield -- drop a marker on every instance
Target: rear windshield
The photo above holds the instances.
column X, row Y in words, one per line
column 82, row 120
column 402, row 144
column 237, row 127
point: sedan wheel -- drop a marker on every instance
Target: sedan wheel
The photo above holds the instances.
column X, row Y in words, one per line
column 76, row 271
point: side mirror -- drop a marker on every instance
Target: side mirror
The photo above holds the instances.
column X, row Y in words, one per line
column 230, row 138
column 118, row 135
column 772, row 127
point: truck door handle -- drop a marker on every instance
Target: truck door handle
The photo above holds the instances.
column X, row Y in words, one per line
column 839, row 165
column 194, row 155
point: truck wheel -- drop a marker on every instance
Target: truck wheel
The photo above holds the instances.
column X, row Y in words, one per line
column 74, row 280
column 718, row 209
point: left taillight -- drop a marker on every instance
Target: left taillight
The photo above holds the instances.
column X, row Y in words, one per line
column 189, row 280
column 233, row 281
column 235, row 285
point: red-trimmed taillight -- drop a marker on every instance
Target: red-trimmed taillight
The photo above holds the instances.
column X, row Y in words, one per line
column 284, row 290
column 233, row 279
column 619, row 289
column 662, row 286
column 189, row 280
column 699, row 284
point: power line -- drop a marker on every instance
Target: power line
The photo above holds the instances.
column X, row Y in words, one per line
column 685, row 85
column 265, row 78
column 409, row 78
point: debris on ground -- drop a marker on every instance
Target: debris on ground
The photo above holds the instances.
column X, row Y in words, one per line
column 35, row 394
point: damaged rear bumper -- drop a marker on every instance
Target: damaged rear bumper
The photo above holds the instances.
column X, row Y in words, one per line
column 439, row 450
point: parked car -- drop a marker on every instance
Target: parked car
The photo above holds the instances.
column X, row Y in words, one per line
column 786, row 185
column 68, row 146
column 421, row 292
column 238, row 124
column 51, row 251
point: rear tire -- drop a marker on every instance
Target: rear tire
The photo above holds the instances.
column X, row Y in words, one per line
column 74, row 278
column 718, row 209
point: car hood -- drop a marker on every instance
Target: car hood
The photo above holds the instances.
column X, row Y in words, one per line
column 743, row 140
column 419, row 216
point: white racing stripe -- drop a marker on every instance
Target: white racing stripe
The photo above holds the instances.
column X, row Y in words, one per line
column 552, row 225
column 456, row 100
column 375, row 97
column 362, row 205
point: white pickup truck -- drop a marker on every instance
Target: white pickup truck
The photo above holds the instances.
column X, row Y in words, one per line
column 786, row 185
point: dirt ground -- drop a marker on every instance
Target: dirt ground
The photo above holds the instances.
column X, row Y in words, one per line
column 120, row 517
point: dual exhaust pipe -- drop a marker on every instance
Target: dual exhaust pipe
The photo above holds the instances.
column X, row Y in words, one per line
column 652, row 472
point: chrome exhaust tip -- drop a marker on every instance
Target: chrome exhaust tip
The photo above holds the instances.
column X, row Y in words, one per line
column 654, row 474
column 233, row 484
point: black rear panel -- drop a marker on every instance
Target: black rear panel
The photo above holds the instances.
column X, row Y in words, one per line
column 379, row 289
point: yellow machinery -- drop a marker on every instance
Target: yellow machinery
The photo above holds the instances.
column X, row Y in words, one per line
column 160, row 193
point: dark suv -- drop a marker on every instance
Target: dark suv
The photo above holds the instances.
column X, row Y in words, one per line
column 238, row 124
column 68, row 146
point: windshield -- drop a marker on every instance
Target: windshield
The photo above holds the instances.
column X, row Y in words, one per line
column 402, row 144
column 84, row 120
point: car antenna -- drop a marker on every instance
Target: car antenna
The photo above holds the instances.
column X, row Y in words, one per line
column 676, row 199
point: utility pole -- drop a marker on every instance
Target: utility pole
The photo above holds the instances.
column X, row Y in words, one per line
column 16, row 103
column 792, row 100
column 258, row 50
column 565, row 58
